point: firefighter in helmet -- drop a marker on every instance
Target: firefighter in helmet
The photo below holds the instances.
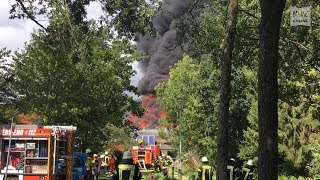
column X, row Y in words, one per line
column 127, row 170
column 247, row 171
column 140, row 143
column 88, row 175
column 169, row 160
column 157, row 164
column 231, row 169
column 205, row 171
column 96, row 166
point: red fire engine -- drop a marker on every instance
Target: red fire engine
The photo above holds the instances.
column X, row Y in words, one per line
column 31, row 152
column 144, row 155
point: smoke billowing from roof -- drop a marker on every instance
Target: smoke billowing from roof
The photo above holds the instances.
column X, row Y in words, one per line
column 162, row 53
column 162, row 50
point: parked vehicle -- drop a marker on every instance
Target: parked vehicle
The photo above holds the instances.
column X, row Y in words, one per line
column 36, row 152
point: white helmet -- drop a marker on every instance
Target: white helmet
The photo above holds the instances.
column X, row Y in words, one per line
column 204, row 159
column 250, row 163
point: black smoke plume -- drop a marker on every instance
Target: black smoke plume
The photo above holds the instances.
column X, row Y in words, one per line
column 162, row 51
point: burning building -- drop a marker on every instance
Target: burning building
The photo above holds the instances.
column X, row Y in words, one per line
column 162, row 52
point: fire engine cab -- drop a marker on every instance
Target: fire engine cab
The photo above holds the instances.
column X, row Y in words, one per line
column 32, row 152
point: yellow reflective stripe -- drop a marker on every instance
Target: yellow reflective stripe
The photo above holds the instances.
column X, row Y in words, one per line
column 123, row 167
column 120, row 174
column 231, row 171
column 204, row 168
column 247, row 172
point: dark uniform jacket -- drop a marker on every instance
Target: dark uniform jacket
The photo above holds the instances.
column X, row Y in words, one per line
column 247, row 172
column 127, row 170
column 205, row 172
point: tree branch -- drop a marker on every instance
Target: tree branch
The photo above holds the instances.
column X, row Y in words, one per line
column 249, row 38
column 250, row 14
column 24, row 9
column 298, row 45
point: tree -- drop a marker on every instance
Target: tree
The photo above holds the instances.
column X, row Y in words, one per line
column 298, row 127
column 222, row 152
column 4, row 76
column 6, row 95
column 298, row 95
column 129, row 17
column 193, row 83
column 271, row 14
column 74, row 76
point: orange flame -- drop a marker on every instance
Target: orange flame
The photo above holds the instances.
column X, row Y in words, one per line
column 151, row 114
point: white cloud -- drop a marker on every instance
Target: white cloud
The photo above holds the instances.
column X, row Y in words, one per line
column 13, row 32
column 94, row 10
column 15, row 37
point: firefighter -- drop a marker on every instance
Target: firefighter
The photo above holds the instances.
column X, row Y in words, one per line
column 105, row 162
column 112, row 162
column 157, row 164
column 96, row 166
column 127, row 170
column 231, row 169
column 205, row 171
column 140, row 143
column 163, row 166
column 169, row 160
column 247, row 171
column 88, row 175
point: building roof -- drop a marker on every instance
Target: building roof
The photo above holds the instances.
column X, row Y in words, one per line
column 165, row 147
column 148, row 132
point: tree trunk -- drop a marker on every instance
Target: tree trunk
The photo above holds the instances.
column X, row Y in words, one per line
column 271, row 14
column 222, row 154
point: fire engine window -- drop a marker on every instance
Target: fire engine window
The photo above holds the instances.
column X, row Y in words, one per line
column 43, row 148
column 151, row 140
column 146, row 139
column 62, row 148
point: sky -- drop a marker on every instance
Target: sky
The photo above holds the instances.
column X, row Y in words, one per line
column 14, row 33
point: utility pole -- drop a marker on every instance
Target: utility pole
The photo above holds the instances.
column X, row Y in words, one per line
column 180, row 140
column 180, row 145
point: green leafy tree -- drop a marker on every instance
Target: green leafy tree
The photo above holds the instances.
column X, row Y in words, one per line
column 298, row 90
column 75, row 77
column 4, row 76
column 6, row 95
column 132, row 17
column 189, row 90
column 119, row 136
column 128, row 17
column 206, row 34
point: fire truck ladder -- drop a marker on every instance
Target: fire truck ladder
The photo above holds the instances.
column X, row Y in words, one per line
column 142, row 164
column 141, row 160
